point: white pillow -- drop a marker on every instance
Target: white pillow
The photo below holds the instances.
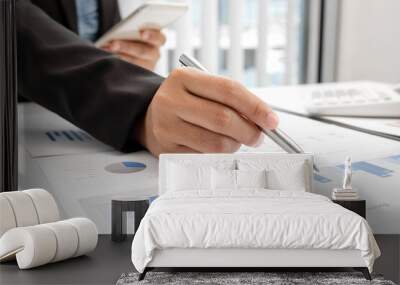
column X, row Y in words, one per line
column 223, row 179
column 183, row 177
column 289, row 175
column 282, row 174
column 251, row 178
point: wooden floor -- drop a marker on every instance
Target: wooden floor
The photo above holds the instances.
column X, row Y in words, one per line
column 110, row 260
column 389, row 262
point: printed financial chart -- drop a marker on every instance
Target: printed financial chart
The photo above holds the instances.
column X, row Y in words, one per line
column 68, row 135
column 44, row 133
column 332, row 144
column 376, row 164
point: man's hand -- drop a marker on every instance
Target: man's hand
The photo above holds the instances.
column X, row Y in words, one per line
column 144, row 52
column 193, row 111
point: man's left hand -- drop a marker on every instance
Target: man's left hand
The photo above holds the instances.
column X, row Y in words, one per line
column 144, row 52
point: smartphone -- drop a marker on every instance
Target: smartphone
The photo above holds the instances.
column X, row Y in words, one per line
column 151, row 15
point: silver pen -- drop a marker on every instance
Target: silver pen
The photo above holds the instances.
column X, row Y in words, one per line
column 277, row 135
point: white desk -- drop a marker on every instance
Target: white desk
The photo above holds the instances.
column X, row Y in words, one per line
column 74, row 171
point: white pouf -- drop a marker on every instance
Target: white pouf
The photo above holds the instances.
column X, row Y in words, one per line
column 31, row 233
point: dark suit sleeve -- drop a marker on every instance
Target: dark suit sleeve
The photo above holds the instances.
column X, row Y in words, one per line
column 92, row 89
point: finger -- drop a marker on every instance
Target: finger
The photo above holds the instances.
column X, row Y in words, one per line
column 106, row 45
column 106, row 48
column 220, row 119
column 153, row 37
column 200, row 139
column 135, row 49
column 229, row 93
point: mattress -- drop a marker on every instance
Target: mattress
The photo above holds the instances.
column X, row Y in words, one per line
column 251, row 219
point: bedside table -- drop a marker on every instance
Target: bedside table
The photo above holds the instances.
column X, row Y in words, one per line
column 356, row 206
column 119, row 207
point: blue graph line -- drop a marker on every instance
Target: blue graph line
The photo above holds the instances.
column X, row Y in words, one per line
column 66, row 134
column 370, row 168
column 394, row 159
column 77, row 135
column 321, row 179
column 50, row 136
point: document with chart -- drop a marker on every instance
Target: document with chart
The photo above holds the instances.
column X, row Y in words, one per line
column 46, row 134
column 376, row 161
column 82, row 173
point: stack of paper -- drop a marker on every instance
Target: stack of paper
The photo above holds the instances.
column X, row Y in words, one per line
column 344, row 194
column 295, row 98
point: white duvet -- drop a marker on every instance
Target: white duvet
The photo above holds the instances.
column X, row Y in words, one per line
column 250, row 219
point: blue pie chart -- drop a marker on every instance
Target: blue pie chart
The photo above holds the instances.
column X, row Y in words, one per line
column 125, row 167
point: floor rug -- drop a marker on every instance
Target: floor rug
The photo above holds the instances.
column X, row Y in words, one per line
column 244, row 278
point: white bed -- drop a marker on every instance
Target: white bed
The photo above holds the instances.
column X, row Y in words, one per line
column 248, row 227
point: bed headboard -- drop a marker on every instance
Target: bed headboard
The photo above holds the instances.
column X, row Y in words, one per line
column 216, row 159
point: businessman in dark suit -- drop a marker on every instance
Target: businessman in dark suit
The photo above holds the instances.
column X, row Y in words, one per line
column 90, row 19
column 114, row 95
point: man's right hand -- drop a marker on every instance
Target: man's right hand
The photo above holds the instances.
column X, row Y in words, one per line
column 193, row 111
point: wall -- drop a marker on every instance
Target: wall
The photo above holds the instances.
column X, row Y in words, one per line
column 369, row 40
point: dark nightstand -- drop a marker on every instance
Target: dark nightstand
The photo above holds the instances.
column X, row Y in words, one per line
column 357, row 206
column 119, row 208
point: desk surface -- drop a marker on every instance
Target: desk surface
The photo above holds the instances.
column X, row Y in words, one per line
column 110, row 260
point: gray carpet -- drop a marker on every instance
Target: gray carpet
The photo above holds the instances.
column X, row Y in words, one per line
column 268, row 278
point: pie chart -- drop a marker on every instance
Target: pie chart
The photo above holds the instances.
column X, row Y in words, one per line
column 125, row 167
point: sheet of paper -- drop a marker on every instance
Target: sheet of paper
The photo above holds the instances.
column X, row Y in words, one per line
column 85, row 184
column 43, row 133
column 294, row 99
column 288, row 98
column 383, row 126
column 330, row 144
column 376, row 165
